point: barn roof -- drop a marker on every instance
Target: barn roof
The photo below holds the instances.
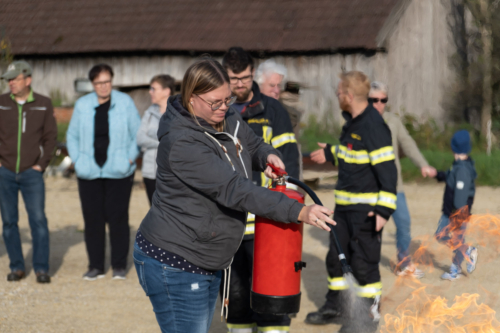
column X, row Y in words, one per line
column 48, row 27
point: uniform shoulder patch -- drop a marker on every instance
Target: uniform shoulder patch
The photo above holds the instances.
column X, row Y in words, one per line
column 258, row 121
column 355, row 136
column 460, row 185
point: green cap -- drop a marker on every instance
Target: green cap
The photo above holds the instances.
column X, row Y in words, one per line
column 16, row 68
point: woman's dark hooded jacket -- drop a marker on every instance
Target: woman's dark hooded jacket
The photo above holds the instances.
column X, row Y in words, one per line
column 202, row 198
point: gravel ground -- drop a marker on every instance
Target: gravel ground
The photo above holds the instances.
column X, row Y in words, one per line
column 70, row 304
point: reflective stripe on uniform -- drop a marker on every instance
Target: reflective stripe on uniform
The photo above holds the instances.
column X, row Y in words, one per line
column 250, row 228
column 382, row 155
column 242, row 328
column 387, row 199
column 370, row 290
column 348, row 198
column 264, row 181
column 352, row 156
column 338, row 283
column 274, row 329
column 267, row 134
column 250, row 217
column 334, row 150
column 283, row 139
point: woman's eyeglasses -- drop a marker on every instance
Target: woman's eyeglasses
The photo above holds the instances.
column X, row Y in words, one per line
column 376, row 100
column 216, row 106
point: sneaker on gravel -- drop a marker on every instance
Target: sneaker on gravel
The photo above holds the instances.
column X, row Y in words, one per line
column 411, row 270
column 471, row 255
column 119, row 274
column 455, row 273
column 93, row 274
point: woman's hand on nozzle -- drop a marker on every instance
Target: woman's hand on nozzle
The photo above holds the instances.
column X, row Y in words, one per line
column 277, row 162
column 317, row 216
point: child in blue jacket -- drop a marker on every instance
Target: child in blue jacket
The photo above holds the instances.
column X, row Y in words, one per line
column 457, row 202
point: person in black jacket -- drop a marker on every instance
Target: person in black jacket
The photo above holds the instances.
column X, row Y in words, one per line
column 203, row 194
column 365, row 198
column 457, row 202
column 270, row 121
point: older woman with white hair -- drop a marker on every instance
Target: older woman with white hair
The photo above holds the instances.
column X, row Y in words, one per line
column 401, row 138
column 270, row 77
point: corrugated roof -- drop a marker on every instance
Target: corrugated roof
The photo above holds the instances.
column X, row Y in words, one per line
column 83, row 26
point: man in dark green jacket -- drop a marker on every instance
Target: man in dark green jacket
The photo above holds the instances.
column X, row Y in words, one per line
column 28, row 135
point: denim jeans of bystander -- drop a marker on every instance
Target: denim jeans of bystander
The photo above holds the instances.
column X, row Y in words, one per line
column 444, row 236
column 32, row 187
column 182, row 301
column 402, row 220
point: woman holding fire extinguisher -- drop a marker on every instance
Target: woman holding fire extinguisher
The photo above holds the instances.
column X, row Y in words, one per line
column 198, row 215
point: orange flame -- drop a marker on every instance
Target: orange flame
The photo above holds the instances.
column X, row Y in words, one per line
column 424, row 312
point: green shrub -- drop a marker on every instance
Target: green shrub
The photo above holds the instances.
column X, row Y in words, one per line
column 319, row 131
column 62, row 128
column 487, row 167
column 433, row 141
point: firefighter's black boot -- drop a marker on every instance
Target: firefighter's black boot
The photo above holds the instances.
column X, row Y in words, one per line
column 325, row 315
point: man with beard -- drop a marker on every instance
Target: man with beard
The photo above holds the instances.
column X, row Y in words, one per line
column 269, row 120
column 365, row 198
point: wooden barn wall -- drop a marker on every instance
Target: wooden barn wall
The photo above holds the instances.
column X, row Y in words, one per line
column 417, row 70
column 317, row 74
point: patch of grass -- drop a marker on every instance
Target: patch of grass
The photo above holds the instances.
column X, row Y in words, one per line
column 433, row 141
column 487, row 167
column 319, row 131
column 62, row 128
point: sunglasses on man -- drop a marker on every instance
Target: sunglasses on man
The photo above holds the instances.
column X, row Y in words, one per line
column 376, row 100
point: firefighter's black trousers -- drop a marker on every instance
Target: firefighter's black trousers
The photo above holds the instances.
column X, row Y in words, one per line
column 239, row 294
column 361, row 245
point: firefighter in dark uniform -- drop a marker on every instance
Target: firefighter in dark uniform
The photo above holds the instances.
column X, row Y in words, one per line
column 269, row 120
column 365, row 198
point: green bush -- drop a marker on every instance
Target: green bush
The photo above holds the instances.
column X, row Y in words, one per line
column 319, row 131
column 62, row 128
column 487, row 167
column 433, row 141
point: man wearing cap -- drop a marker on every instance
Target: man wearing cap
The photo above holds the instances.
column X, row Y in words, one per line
column 28, row 135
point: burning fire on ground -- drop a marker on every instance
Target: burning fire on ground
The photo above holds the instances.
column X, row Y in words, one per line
column 425, row 312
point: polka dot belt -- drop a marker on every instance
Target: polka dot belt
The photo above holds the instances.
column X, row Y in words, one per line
column 168, row 258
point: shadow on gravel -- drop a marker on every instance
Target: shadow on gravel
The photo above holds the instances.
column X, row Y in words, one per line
column 321, row 235
column 60, row 242
column 130, row 261
column 314, row 279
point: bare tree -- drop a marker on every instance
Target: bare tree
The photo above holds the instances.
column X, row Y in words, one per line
column 482, row 11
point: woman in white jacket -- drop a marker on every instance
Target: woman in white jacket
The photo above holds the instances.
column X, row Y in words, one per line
column 161, row 87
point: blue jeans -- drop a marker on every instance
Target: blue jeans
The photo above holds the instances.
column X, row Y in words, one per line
column 443, row 236
column 183, row 302
column 32, row 187
column 402, row 219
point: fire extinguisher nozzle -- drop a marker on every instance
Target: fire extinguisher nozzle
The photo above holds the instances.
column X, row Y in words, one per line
column 346, row 269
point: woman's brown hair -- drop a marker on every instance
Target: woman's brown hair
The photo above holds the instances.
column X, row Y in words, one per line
column 165, row 81
column 203, row 76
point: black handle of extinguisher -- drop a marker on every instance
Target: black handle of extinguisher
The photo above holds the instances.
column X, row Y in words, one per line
column 345, row 266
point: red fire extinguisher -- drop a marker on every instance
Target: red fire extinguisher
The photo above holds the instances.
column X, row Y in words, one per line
column 277, row 262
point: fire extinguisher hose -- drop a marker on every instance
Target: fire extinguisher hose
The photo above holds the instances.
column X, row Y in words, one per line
column 345, row 266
